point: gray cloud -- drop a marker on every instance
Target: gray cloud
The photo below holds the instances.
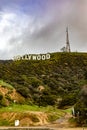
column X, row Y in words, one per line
column 25, row 33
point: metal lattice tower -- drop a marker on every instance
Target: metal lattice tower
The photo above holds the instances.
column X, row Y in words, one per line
column 67, row 41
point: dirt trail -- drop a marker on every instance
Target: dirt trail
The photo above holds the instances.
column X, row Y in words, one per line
column 62, row 122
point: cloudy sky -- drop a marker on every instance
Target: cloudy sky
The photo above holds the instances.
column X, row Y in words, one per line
column 39, row 26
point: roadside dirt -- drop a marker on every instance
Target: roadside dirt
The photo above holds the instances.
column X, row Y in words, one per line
column 27, row 119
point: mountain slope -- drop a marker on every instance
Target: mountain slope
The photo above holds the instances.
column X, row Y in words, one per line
column 61, row 76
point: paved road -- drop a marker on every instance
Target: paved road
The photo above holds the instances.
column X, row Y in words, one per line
column 70, row 128
column 26, row 128
column 39, row 128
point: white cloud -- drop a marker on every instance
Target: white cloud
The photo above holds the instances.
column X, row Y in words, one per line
column 12, row 27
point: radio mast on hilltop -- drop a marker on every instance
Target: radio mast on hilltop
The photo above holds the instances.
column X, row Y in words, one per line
column 67, row 41
column 67, row 47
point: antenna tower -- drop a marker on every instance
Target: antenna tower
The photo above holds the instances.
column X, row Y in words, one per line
column 67, row 41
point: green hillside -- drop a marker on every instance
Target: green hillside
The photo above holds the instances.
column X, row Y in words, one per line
column 61, row 77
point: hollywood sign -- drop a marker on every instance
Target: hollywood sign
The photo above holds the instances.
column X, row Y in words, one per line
column 32, row 57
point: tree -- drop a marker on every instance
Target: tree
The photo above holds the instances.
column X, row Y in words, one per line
column 63, row 49
column 81, row 106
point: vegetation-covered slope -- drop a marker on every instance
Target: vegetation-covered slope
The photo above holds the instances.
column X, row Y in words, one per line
column 9, row 95
column 60, row 77
column 29, row 115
